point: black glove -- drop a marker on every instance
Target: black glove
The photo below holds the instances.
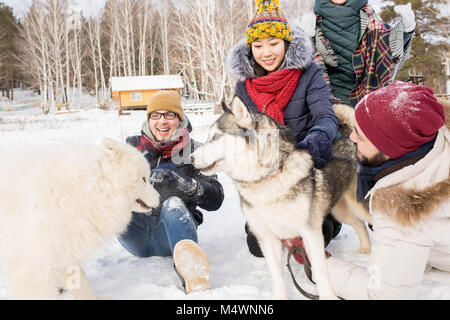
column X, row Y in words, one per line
column 319, row 146
column 170, row 181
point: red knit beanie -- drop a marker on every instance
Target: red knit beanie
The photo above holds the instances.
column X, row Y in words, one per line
column 400, row 117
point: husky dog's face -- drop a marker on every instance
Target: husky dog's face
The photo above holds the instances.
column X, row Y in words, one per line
column 241, row 143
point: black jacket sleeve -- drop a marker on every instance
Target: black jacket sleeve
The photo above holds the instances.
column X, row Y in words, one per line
column 318, row 99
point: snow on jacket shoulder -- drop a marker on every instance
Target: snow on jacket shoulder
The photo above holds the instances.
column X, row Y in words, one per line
column 310, row 106
column 411, row 220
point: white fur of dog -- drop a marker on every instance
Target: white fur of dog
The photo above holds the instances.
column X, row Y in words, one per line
column 58, row 205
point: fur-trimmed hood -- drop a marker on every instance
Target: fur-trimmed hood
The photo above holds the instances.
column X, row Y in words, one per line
column 408, row 206
column 239, row 61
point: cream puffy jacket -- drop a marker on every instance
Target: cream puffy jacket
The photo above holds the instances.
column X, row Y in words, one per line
column 411, row 229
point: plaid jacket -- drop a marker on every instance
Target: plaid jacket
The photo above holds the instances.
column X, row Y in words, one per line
column 373, row 62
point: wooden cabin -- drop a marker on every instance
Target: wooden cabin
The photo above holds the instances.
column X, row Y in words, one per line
column 134, row 92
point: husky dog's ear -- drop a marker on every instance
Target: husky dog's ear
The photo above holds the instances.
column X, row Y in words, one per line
column 224, row 107
column 241, row 112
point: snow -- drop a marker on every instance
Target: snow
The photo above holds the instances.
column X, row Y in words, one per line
column 234, row 272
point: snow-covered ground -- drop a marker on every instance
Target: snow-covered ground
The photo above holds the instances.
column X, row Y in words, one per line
column 235, row 273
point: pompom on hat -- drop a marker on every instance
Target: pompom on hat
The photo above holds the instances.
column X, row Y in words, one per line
column 268, row 22
column 169, row 100
column 400, row 117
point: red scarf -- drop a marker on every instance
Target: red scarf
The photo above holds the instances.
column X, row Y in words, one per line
column 166, row 148
column 273, row 92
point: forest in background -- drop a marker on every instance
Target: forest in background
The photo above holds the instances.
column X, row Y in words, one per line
column 55, row 48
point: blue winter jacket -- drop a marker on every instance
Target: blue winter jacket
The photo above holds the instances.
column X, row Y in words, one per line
column 310, row 107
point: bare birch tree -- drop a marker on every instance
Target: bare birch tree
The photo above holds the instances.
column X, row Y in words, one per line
column 3, row 53
column 134, row 37
column 164, row 9
column 207, row 31
column 92, row 52
column 52, row 50
column 34, row 44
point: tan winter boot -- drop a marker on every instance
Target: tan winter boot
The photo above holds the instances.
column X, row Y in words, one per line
column 192, row 266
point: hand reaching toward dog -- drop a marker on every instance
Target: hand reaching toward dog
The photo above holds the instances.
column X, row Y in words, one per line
column 319, row 146
column 170, row 181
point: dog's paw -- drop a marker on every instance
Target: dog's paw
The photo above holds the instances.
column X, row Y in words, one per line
column 364, row 250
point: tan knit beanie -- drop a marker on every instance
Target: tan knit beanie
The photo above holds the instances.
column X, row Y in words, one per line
column 168, row 100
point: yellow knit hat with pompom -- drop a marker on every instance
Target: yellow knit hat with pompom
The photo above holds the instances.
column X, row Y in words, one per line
column 268, row 22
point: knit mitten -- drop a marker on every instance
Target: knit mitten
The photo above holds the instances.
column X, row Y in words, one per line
column 319, row 146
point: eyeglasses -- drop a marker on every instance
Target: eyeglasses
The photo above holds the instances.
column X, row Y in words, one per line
column 167, row 115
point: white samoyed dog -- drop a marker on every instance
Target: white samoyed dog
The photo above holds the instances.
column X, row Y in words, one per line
column 58, row 205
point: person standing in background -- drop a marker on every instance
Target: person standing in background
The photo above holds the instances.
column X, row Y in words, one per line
column 358, row 52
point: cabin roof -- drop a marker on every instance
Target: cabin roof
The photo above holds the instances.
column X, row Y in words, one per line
column 146, row 83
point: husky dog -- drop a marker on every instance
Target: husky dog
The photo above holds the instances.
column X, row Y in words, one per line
column 59, row 205
column 282, row 195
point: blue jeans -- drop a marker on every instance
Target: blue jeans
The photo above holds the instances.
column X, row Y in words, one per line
column 148, row 236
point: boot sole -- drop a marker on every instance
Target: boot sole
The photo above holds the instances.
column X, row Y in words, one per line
column 192, row 264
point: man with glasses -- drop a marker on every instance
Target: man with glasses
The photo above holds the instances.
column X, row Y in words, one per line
column 171, row 229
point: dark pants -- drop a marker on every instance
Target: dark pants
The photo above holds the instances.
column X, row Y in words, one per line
column 148, row 236
column 330, row 229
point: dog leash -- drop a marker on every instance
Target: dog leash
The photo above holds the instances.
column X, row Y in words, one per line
column 301, row 251
column 307, row 269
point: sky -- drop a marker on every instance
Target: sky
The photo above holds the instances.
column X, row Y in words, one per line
column 94, row 6
column 87, row 6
